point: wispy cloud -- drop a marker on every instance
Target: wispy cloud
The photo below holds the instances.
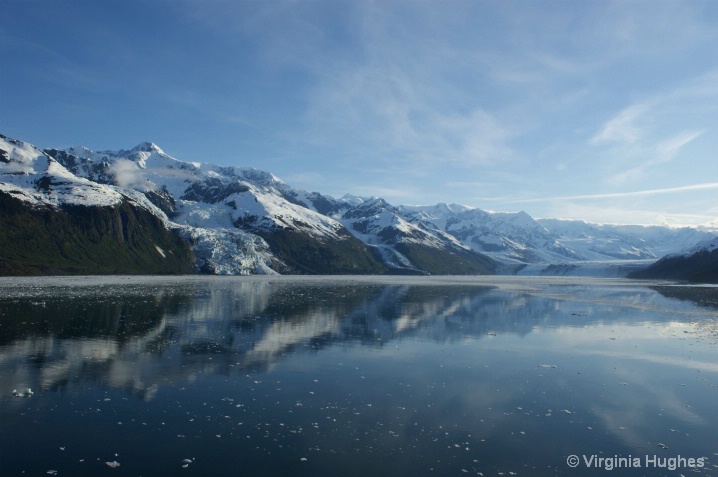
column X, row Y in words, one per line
column 647, row 142
column 669, row 148
column 662, row 153
column 624, row 127
column 640, row 120
column 618, row 195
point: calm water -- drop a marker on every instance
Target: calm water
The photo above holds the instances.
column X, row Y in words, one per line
column 356, row 377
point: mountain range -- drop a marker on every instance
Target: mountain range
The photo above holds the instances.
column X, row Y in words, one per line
column 140, row 210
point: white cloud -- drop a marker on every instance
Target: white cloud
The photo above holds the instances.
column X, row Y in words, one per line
column 663, row 152
column 625, row 127
column 127, row 174
column 622, row 195
column 669, row 148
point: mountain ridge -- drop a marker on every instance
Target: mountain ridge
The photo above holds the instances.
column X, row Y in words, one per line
column 244, row 220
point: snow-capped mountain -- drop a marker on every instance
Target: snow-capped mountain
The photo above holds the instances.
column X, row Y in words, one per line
column 52, row 221
column 509, row 237
column 404, row 245
column 624, row 242
column 34, row 177
column 238, row 221
column 230, row 220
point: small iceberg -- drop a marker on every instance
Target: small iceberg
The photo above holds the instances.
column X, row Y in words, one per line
column 28, row 393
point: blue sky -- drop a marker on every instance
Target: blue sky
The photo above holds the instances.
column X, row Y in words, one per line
column 599, row 110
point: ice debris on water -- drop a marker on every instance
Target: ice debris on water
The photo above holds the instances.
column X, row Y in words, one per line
column 186, row 463
column 28, row 393
column 547, row 366
column 113, row 464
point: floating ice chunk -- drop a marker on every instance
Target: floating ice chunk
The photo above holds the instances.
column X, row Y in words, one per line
column 28, row 392
column 547, row 366
column 113, row 464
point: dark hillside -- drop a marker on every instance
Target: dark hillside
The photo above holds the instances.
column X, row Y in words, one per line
column 87, row 240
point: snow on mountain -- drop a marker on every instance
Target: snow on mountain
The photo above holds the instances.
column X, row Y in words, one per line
column 508, row 237
column 32, row 176
column 401, row 243
column 223, row 211
column 706, row 246
column 668, row 239
column 626, row 242
column 377, row 222
column 248, row 196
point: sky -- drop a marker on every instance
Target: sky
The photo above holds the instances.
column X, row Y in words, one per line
column 596, row 110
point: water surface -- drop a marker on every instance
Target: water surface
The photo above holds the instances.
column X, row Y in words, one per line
column 332, row 376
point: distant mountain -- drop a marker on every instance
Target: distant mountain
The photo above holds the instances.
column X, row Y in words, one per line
column 697, row 264
column 624, row 242
column 405, row 246
column 509, row 237
column 140, row 210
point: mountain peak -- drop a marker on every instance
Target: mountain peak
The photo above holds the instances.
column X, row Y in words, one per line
column 148, row 147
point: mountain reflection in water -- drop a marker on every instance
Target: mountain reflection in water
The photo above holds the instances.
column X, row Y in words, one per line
column 137, row 336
